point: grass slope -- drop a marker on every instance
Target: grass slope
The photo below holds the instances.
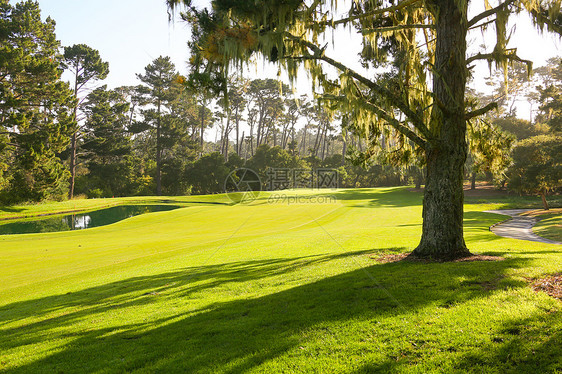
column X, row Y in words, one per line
column 275, row 287
column 550, row 226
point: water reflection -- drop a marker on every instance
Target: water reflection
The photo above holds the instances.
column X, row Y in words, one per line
column 80, row 221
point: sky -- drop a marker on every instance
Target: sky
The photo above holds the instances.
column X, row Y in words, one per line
column 129, row 34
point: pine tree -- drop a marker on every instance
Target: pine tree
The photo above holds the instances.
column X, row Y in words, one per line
column 161, row 86
column 107, row 143
column 87, row 66
column 35, row 116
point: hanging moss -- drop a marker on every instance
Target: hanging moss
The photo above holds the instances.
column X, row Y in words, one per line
column 236, row 30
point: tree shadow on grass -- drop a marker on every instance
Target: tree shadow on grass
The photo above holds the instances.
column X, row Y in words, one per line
column 389, row 197
column 234, row 335
column 529, row 345
column 11, row 209
column 183, row 282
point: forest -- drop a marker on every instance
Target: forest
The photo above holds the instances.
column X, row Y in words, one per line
column 170, row 136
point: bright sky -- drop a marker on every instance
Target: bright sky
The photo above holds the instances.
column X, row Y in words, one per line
column 131, row 33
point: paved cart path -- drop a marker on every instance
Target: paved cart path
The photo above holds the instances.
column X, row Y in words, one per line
column 518, row 227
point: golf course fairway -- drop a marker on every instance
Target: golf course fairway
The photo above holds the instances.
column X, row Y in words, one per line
column 284, row 285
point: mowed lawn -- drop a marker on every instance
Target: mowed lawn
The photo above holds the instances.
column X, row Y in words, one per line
column 274, row 287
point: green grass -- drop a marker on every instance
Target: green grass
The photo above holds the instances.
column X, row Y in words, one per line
column 274, row 288
column 550, row 226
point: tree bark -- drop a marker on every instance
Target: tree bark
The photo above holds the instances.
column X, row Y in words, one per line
column 544, row 202
column 419, row 178
column 442, row 229
column 473, row 181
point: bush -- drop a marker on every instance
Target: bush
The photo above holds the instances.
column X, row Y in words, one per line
column 95, row 193
column 208, row 174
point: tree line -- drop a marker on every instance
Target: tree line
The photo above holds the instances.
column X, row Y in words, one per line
column 59, row 140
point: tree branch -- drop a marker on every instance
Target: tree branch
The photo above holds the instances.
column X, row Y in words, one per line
column 482, row 24
column 398, row 126
column 391, row 121
column 395, row 99
column 496, row 57
column 488, row 13
column 481, row 111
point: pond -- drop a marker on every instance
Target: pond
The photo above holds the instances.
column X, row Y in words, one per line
column 80, row 221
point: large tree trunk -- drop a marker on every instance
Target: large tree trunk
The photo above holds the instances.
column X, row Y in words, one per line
column 442, row 232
